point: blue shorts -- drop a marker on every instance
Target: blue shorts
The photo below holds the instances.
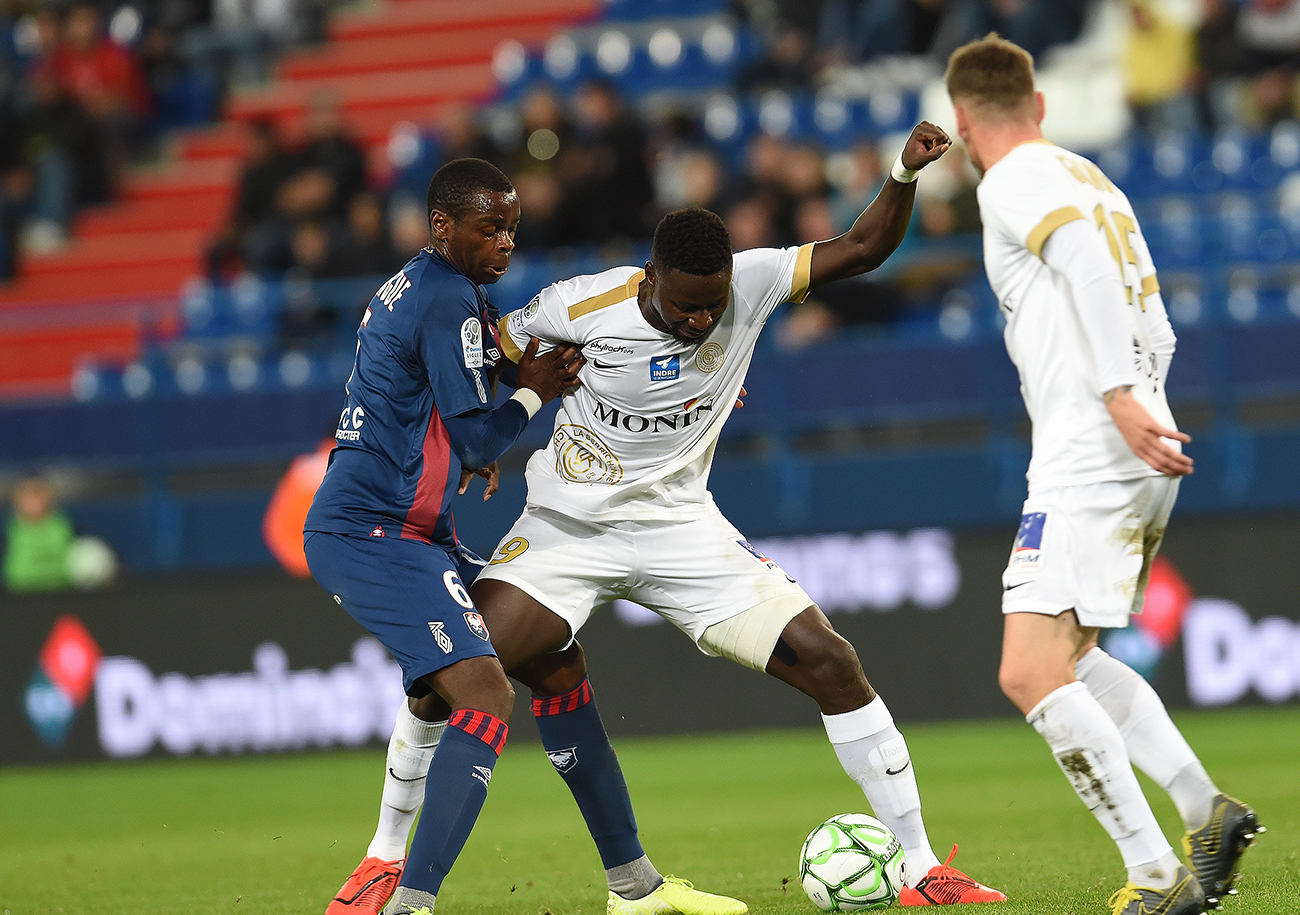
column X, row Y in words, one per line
column 410, row 595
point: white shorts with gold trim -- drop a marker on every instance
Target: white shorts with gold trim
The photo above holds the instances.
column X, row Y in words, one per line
column 698, row 574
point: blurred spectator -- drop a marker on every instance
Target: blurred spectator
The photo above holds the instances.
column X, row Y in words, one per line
column 613, row 186
column 329, row 147
column 105, row 79
column 751, row 223
column 787, row 62
column 309, row 320
column 55, row 163
column 1159, row 69
column 266, row 167
column 39, row 540
column 367, row 249
column 1249, row 55
column 238, row 45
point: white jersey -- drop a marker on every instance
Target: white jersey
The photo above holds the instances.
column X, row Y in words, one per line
column 1026, row 196
column 636, row 439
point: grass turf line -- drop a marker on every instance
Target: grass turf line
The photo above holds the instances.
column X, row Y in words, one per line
column 278, row 834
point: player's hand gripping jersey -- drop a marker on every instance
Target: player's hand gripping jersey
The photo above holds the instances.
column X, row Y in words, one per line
column 424, row 349
column 1071, row 347
column 636, row 440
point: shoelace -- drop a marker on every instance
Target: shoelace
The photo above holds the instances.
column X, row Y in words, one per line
column 1122, row 897
column 948, row 872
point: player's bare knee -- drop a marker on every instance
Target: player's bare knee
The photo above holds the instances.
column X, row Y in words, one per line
column 1017, row 680
column 834, row 674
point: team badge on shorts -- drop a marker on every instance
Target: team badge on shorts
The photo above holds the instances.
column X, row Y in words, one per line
column 1027, row 552
column 563, row 760
column 476, row 624
column 769, row 563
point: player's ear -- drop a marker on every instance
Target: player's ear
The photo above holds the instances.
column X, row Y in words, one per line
column 1041, row 102
column 440, row 224
column 650, row 272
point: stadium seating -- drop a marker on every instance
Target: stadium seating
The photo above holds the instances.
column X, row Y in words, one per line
column 395, row 62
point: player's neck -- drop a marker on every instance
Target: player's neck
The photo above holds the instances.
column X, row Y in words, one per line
column 996, row 141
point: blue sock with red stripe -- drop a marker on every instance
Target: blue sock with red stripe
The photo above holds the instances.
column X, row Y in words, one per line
column 578, row 747
column 454, row 794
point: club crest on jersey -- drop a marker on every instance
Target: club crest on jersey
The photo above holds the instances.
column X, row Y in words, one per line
column 563, row 760
column 471, row 342
column 709, row 357
column 476, row 624
column 1027, row 551
column 665, row 368
column 440, row 636
column 377, row 532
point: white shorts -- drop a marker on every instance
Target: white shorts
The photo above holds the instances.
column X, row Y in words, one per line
column 698, row 574
column 1088, row 549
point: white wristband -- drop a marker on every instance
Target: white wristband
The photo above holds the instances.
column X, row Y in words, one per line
column 529, row 399
column 901, row 173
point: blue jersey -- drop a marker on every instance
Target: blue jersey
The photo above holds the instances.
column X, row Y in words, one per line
column 424, row 350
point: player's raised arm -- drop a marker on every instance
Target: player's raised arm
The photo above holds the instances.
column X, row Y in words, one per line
column 880, row 229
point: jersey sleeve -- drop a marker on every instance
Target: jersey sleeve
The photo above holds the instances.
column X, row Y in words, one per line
column 545, row 318
column 767, row 277
column 449, row 343
column 1028, row 204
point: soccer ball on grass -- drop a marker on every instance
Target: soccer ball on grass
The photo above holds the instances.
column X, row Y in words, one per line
column 852, row 862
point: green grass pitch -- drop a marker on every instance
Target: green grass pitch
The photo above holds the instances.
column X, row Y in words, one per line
column 278, row 834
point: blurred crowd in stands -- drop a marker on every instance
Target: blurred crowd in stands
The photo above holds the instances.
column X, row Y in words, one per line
column 78, row 100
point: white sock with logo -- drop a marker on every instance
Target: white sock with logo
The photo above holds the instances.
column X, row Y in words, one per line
column 409, row 751
column 1090, row 751
column 1154, row 743
column 874, row 754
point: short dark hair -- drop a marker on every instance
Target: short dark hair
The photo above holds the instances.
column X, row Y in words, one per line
column 994, row 73
column 455, row 186
column 692, row 240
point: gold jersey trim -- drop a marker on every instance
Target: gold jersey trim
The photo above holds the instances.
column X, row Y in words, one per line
column 508, row 346
column 802, row 274
column 605, row 299
column 1051, row 222
column 1150, row 285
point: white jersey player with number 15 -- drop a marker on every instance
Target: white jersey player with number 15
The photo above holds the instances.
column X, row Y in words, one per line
column 1087, row 330
column 1067, row 351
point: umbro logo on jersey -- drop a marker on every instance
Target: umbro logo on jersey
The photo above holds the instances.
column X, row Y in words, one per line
column 563, row 760
column 483, row 774
column 665, row 368
column 440, row 636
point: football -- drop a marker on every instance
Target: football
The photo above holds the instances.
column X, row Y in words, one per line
column 850, row 863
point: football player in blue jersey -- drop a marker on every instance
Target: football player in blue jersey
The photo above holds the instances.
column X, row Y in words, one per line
column 684, row 291
column 380, row 538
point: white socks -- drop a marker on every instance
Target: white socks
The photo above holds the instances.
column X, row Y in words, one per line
column 874, row 755
column 409, row 751
column 1090, row 751
column 1154, row 743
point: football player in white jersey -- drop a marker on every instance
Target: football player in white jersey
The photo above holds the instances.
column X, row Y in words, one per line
column 618, row 507
column 1086, row 328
